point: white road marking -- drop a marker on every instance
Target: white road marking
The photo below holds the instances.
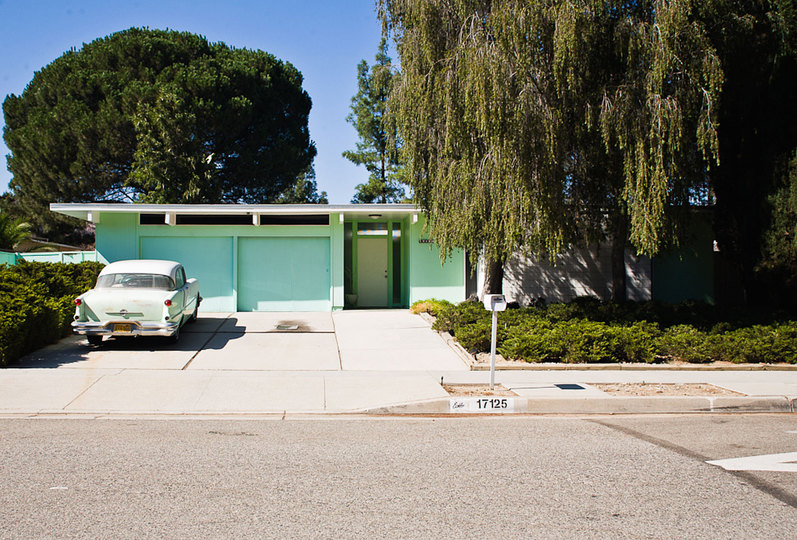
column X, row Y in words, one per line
column 59, row 487
column 786, row 462
column 794, row 431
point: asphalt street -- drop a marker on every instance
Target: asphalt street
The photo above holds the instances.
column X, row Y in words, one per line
column 359, row 477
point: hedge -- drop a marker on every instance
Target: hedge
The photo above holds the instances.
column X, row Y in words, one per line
column 36, row 303
column 587, row 330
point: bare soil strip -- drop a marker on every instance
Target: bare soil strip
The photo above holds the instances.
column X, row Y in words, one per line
column 664, row 389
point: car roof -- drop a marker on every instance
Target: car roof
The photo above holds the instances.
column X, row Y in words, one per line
column 142, row 266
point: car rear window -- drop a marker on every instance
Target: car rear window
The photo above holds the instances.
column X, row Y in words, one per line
column 135, row 281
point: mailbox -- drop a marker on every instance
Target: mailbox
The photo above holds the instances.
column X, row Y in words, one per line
column 494, row 302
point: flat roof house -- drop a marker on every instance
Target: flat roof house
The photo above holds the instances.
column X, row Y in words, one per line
column 276, row 257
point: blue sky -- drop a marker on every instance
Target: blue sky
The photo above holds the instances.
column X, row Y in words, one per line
column 325, row 40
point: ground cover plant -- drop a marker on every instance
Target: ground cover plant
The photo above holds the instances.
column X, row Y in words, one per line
column 588, row 330
column 36, row 303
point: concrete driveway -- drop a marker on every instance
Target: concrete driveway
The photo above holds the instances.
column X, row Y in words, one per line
column 368, row 340
column 248, row 363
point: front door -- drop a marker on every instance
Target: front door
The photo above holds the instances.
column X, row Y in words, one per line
column 372, row 271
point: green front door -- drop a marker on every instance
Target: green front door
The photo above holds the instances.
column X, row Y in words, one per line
column 283, row 274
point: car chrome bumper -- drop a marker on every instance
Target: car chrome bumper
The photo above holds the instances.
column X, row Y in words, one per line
column 124, row 328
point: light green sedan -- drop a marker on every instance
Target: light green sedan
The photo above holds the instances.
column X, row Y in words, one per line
column 137, row 298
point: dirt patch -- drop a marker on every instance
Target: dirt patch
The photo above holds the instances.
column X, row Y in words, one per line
column 464, row 390
column 664, row 389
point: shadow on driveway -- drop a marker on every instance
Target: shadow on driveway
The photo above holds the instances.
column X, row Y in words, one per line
column 146, row 352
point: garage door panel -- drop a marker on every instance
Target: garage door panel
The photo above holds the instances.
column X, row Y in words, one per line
column 208, row 259
column 283, row 274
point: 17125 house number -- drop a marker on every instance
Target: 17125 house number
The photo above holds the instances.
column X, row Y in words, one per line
column 481, row 404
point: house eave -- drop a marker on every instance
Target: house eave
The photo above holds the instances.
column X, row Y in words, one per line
column 90, row 211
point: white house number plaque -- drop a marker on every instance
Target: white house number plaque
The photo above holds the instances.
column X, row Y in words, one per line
column 481, row 405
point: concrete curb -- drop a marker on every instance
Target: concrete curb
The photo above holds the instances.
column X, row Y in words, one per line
column 607, row 405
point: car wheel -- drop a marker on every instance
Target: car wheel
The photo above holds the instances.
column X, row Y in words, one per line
column 94, row 340
column 194, row 314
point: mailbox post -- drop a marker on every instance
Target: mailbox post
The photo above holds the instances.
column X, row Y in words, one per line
column 494, row 303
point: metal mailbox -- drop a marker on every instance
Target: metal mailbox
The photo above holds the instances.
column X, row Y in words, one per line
column 494, row 302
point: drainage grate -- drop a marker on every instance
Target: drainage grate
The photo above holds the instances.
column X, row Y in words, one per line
column 569, row 386
column 287, row 327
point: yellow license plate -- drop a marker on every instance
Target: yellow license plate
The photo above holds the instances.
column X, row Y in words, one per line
column 123, row 328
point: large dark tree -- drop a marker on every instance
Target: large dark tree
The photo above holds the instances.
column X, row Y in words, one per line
column 157, row 116
column 757, row 45
column 531, row 125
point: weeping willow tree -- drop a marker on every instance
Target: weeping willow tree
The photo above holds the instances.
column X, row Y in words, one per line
column 529, row 126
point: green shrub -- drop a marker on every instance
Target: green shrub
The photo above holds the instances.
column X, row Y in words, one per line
column 461, row 315
column 432, row 306
column 760, row 343
column 531, row 341
column 36, row 303
column 684, row 342
column 587, row 330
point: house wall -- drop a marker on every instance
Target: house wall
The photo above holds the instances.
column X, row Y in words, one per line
column 577, row 272
column 686, row 272
column 429, row 277
column 116, row 237
column 211, row 252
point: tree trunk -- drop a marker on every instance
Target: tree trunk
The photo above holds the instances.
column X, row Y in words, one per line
column 619, row 242
column 494, row 278
column 384, row 180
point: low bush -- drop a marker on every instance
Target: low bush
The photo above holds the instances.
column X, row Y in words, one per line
column 36, row 303
column 588, row 330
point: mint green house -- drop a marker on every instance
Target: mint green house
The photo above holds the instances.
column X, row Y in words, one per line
column 284, row 257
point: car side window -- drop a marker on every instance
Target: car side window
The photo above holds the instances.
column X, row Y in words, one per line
column 180, row 278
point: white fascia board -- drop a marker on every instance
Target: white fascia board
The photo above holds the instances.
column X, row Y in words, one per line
column 82, row 210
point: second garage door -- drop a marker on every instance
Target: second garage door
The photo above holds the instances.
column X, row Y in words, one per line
column 283, row 274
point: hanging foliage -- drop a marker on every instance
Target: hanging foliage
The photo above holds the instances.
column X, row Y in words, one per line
column 529, row 125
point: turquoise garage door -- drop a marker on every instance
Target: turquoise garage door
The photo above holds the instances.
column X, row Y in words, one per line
column 207, row 259
column 283, row 274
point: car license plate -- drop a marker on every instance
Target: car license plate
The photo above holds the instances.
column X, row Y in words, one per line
column 125, row 328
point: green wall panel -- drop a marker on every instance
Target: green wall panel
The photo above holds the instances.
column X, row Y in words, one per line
column 687, row 271
column 429, row 278
column 284, row 274
column 207, row 259
column 117, row 237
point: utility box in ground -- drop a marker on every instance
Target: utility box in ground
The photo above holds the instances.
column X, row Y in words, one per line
column 494, row 302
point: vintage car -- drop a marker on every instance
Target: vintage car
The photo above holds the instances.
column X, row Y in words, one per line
column 137, row 298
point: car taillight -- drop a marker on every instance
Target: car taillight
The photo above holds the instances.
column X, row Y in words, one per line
column 167, row 302
column 78, row 301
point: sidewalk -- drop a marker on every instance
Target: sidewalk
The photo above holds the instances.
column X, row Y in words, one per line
column 101, row 392
column 366, row 362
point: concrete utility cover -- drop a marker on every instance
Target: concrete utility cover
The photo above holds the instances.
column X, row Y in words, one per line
column 250, row 322
column 287, row 327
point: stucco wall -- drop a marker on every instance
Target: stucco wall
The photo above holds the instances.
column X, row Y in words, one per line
column 578, row 272
column 429, row 277
column 686, row 272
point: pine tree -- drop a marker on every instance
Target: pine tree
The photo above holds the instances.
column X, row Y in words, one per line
column 378, row 148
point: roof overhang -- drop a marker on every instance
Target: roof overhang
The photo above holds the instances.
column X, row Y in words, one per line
column 92, row 211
